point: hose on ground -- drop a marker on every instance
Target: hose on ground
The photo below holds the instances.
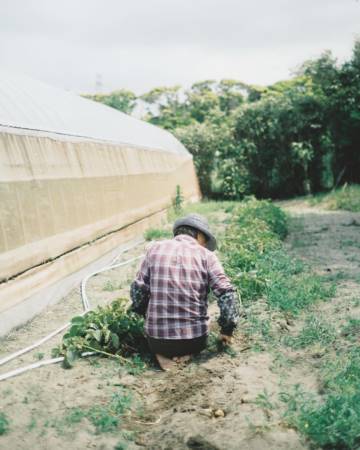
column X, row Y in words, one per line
column 87, row 307
column 45, row 362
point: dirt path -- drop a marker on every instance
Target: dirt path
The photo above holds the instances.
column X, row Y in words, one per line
column 185, row 403
column 216, row 402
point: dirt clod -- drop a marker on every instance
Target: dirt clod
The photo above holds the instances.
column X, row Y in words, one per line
column 200, row 443
column 219, row 413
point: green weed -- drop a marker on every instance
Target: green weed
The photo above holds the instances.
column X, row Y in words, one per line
column 314, row 331
column 333, row 424
column 110, row 287
column 264, row 400
column 109, row 330
column 258, row 265
column 351, row 330
column 346, row 197
column 153, row 234
column 121, row 445
column 4, row 423
column 105, row 417
column 6, row 392
column 136, row 365
column 32, row 424
column 178, row 201
column 75, row 416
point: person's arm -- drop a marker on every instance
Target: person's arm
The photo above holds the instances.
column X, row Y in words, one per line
column 226, row 295
column 140, row 289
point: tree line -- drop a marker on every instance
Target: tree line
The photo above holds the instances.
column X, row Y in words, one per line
column 294, row 137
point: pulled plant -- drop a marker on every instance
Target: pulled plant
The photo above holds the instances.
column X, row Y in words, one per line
column 110, row 330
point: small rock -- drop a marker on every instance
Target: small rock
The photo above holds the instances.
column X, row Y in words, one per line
column 208, row 412
column 219, row 413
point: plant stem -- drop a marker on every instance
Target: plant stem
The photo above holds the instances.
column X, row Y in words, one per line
column 108, row 354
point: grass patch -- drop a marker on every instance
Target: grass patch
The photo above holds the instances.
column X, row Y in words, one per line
column 257, row 263
column 332, row 421
column 154, row 234
column 347, row 197
column 105, row 417
column 110, row 287
column 314, row 331
column 4, row 423
column 351, row 330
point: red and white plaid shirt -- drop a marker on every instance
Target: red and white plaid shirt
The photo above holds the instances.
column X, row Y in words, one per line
column 172, row 286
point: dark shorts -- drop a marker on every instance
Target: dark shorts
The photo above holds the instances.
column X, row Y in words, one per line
column 177, row 347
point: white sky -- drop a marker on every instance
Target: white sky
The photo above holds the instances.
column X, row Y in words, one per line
column 141, row 44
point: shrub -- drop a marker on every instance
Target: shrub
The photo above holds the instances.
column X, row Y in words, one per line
column 258, row 265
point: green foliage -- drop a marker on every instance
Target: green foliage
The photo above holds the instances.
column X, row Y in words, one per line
column 351, row 330
column 111, row 329
column 258, row 265
column 4, row 423
column 346, row 197
column 105, row 417
column 314, row 331
column 295, row 137
column 333, row 421
column 334, row 424
column 110, row 287
column 39, row 355
column 274, row 217
column 246, row 240
column 153, row 234
column 121, row 100
column 202, row 141
column 178, row 200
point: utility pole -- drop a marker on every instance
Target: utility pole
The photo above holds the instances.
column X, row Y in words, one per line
column 98, row 83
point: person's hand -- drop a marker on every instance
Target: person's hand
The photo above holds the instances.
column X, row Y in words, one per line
column 226, row 340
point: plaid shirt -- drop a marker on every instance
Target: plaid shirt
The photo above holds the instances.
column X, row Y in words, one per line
column 172, row 286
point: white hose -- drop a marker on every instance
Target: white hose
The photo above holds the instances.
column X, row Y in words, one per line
column 36, row 344
column 87, row 308
column 46, row 362
column 84, row 297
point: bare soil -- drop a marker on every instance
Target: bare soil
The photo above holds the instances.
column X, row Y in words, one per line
column 211, row 403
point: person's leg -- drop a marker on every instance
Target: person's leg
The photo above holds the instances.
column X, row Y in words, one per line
column 166, row 364
column 162, row 350
column 180, row 350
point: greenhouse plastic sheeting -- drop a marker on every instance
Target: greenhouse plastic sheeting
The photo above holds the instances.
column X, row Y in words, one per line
column 76, row 179
column 26, row 103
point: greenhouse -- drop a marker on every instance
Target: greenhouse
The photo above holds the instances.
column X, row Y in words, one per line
column 77, row 179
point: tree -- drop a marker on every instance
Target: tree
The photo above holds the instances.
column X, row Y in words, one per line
column 121, row 100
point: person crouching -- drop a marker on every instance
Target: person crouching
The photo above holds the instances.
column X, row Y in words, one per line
column 171, row 291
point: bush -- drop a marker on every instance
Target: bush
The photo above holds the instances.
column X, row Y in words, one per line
column 274, row 217
column 258, row 265
column 347, row 198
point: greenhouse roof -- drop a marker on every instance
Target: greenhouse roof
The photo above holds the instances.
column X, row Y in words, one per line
column 27, row 104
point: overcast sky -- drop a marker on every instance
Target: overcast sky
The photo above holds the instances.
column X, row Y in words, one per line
column 140, row 44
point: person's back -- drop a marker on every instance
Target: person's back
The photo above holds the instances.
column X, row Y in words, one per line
column 178, row 289
column 172, row 286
